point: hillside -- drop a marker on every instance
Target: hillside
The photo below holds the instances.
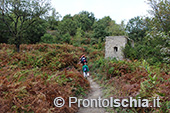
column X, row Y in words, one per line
column 31, row 79
column 136, row 79
column 40, row 53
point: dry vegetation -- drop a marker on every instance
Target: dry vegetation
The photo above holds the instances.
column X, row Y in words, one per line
column 31, row 79
column 123, row 79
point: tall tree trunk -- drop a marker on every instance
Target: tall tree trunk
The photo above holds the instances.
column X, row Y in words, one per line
column 18, row 47
column 17, row 42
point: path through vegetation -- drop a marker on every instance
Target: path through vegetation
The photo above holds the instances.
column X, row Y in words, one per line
column 95, row 93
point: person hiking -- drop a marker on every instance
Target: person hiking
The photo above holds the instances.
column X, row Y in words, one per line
column 83, row 59
column 85, row 70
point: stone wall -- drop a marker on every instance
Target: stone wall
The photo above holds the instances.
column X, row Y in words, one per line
column 114, row 45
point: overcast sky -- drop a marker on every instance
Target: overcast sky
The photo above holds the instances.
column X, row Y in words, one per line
column 117, row 9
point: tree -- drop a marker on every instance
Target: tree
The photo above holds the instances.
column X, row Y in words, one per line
column 70, row 24
column 153, row 32
column 116, row 29
column 4, row 33
column 53, row 19
column 78, row 36
column 21, row 15
column 136, row 28
column 161, row 12
column 36, row 30
column 84, row 20
column 67, row 25
column 100, row 28
column 159, row 34
column 47, row 38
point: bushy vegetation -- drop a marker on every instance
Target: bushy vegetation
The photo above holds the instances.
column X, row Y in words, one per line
column 47, row 64
column 124, row 79
column 31, row 27
column 151, row 35
column 31, row 79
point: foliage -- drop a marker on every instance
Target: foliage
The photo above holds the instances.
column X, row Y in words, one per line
column 34, row 33
column 99, row 28
column 78, row 38
column 124, row 79
column 4, row 33
column 116, row 29
column 160, row 9
column 163, row 41
column 81, row 28
column 150, row 34
column 31, row 79
column 47, row 38
column 66, row 38
column 53, row 20
column 84, row 20
column 21, row 15
column 142, row 51
column 136, row 28
column 67, row 25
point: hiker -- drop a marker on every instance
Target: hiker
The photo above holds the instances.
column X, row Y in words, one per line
column 85, row 70
column 83, row 59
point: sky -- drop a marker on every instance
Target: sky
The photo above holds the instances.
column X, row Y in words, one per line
column 118, row 10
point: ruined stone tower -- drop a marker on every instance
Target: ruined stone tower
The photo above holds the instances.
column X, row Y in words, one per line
column 114, row 45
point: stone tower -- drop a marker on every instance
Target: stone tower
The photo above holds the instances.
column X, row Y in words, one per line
column 114, row 45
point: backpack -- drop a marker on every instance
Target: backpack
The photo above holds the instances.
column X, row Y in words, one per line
column 83, row 59
column 85, row 69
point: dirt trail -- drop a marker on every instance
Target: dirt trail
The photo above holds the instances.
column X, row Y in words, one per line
column 95, row 93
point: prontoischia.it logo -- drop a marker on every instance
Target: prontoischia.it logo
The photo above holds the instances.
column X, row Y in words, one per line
column 111, row 102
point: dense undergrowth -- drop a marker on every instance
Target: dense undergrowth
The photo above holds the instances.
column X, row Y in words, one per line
column 31, row 79
column 124, row 79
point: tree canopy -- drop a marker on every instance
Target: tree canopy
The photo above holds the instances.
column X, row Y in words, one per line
column 28, row 21
column 19, row 15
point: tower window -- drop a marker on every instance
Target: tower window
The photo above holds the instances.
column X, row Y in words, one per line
column 115, row 49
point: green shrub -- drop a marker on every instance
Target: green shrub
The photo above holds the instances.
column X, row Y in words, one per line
column 66, row 38
column 47, row 38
